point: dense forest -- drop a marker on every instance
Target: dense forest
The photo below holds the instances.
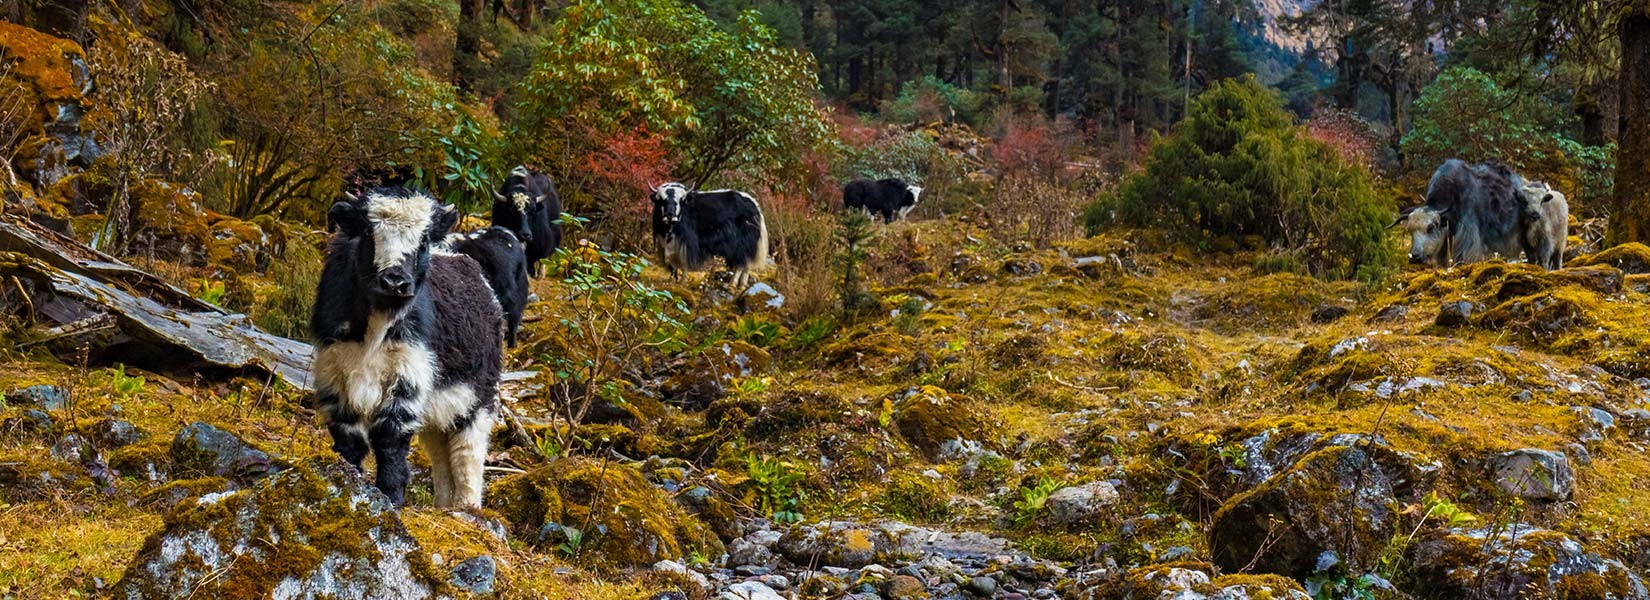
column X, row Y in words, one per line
column 1228, row 299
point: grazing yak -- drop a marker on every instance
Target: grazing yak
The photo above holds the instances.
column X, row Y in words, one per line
column 504, row 264
column 690, row 226
column 1471, row 213
column 1545, row 215
column 407, row 340
column 528, row 206
column 885, row 197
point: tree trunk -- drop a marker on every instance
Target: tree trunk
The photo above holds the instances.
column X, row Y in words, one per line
column 1630, row 221
column 467, row 46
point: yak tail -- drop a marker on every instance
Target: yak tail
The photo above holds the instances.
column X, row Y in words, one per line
column 761, row 241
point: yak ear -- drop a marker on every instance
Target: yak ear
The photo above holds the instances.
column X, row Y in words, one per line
column 1547, row 198
column 446, row 216
column 347, row 217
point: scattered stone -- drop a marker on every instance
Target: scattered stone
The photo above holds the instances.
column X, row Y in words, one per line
column 1022, row 267
column 904, row 587
column 114, row 433
column 339, row 537
column 1079, row 505
column 762, row 295
column 475, row 576
column 1391, row 313
column 750, row 590
column 1456, row 314
column 202, row 449
column 1533, row 474
column 984, row 587
column 1517, row 561
column 743, row 552
column 1596, row 423
column 30, row 422
column 1329, row 313
column 835, row 543
column 48, row 397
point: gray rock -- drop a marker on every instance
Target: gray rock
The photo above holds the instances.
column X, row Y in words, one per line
column 475, row 576
column 984, row 587
column 223, row 542
column 1533, row 474
column 1456, row 314
column 766, row 295
column 1395, row 312
column 1596, row 423
column 1079, row 505
column 207, row 450
column 49, row 397
column 743, row 552
column 749, row 590
column 114, row 433
column 1518, row 561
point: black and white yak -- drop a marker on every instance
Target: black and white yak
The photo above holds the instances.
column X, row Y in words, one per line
column 407, row 341
column 528, row 206
column 504, row 264
column 1472, row 212
column 884, row 197
column 690, row 227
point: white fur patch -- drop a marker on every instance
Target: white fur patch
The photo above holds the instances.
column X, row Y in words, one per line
column 467, row 455
column 916, row 194
column 398, row 226
column 447, row 404
column 361, row 373
column 520, row 200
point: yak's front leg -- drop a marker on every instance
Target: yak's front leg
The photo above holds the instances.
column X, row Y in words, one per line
column 349, row 436
column 391, row 437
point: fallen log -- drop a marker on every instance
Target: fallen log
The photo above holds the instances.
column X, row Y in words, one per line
column 64, row 284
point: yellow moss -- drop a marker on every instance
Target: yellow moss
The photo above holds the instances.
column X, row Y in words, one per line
column 1632, row 258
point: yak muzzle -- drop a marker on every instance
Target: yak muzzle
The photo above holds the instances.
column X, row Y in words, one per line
column 393, row 283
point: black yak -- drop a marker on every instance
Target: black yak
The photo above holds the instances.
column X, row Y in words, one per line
column 504, row 264
column 528, row 206
column 691, row 226
column 407, row 341
column 884, row 197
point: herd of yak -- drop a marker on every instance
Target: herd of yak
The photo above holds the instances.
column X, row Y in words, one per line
column 411, row 319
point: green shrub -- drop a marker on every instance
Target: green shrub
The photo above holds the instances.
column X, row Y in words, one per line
column 1239, row 165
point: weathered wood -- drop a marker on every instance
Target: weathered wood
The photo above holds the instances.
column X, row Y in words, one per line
column 84, row 282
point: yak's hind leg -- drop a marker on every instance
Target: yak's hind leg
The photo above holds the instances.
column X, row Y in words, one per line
column 435, row 445
column 467, row 455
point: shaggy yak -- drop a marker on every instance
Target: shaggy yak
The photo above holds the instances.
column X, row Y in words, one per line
column 1472, row 212
column 527, row 205
column 504, row 264
column 888, row 198
column 691, row 226
column 407, row 341
column 1546, row 224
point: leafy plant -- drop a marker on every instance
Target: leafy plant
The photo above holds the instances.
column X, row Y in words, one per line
column 751, row 386
column 609, row 320
column 812, row 331
column 776, row 487
column 756, row 330
column 210, row 291
column 574, row 540
column 1032, row 499
column 124, row 385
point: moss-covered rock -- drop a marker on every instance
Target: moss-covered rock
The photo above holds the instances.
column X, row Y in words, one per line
column 1630, row 258
column 1336, row 499
column 1515, row 560
column 1186, row 581
column 50, row 79
column 317, row 530
column 202, row 449
column 928, row 417
column 625, row 521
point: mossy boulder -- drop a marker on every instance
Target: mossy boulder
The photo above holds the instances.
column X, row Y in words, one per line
column 1516, row 560
column 844, row 544
column 314, row 531
column 625, row 521
column 1187, row 581
column 50, row 78
column 1631, row 258
column 928, row 417
column 202, row 449
column 1338, row 499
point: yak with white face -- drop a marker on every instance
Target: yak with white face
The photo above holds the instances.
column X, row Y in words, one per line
column 407, row 341
column 690, row 227
column 1545, row 215
column 1471, row 213
column 528, row 206
column 887, row 198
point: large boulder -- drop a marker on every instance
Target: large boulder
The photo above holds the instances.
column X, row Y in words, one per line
column 929, row 416
column 1531, row 474
column 1516, row 561
column 1631, row 258
column 1079, row 505
column 1338, row 499
column 314, row 531
column 621, row 519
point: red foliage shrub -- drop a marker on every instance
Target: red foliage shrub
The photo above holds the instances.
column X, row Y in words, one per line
column 1030, row 146
column 623, row 166
column 1349, row 135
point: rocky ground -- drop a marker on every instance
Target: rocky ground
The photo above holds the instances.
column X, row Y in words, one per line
column 1115, row 417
